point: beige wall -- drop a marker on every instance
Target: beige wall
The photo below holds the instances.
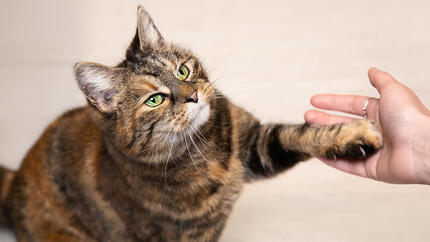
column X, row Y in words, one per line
column 269, row 56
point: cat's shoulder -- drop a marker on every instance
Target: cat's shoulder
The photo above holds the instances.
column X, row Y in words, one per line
column 71, row 122
column 73, row 114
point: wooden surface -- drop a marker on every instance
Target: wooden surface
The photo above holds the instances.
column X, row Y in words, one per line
column 268, row 56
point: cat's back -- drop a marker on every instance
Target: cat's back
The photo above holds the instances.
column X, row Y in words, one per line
column 65, row 138
column 61, row 146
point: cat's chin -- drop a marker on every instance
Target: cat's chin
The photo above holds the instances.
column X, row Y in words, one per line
column 180, row 141
column 199, row 116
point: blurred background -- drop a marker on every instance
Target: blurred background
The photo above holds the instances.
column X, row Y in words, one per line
column 268, row 56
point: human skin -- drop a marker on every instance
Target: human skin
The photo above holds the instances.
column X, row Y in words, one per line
column 404, row 122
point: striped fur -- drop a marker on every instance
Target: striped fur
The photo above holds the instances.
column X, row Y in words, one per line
column 118, row 170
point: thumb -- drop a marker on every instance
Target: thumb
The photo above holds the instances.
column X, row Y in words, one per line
column 380, row 79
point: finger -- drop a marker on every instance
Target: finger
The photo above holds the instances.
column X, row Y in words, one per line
column 345, row 103
column 380, row 79
column 322, row 118
column 352, row 167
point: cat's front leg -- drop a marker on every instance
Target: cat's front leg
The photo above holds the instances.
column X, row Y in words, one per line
column 267, row 150
column 355, row 140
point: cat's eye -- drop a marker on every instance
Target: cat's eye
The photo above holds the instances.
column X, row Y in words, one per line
column 155, row 100
column 182, row 73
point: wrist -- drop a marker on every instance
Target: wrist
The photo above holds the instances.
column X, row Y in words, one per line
column 421, row 149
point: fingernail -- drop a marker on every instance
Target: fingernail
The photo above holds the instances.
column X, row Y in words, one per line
column 309, row 116
column 314, row 99
column 375, row 69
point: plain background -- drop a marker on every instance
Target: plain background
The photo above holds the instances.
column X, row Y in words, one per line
column 268, row 56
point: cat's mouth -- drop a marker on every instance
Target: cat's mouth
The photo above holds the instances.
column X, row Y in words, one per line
column 198, row 113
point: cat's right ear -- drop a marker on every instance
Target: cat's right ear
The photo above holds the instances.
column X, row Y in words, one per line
column 101, row 84
column 146, row 32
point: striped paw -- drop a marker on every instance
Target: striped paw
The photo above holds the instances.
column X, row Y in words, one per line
column 355, row 140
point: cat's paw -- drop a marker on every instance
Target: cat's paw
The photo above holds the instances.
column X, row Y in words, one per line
column 356, row 140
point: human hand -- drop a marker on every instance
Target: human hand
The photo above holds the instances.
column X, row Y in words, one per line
column 404, row 122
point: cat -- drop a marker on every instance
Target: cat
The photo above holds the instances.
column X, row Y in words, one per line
column 158, row 154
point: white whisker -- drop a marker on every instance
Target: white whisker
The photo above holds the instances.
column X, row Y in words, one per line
column 192, row 159
column 196, row 131
column 168, row 157
column 195, row 145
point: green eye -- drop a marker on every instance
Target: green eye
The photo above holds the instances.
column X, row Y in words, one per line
column 155, row 100
column 183, row 73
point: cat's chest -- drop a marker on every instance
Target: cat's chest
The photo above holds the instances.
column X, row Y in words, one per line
column 177, row 215
column 191, row 194
column 188, row 216
column 176, row 202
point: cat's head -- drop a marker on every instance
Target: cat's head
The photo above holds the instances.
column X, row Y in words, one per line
column 154, row 99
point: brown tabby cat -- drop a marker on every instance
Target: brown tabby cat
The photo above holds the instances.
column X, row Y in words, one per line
column 157, row 155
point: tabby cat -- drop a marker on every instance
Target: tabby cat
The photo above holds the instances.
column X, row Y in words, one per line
column 158, row 154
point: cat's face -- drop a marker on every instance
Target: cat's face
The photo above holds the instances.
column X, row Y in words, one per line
column 159, row 96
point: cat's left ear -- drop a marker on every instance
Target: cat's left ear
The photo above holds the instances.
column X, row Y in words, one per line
column 101, row 84
column 147, row 32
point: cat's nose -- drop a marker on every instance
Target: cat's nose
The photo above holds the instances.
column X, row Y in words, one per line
column 193, row 97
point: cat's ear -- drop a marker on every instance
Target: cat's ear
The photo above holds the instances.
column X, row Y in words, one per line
column 147, row 33
column 101, row 84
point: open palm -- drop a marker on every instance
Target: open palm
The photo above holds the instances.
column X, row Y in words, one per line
column 404, row 122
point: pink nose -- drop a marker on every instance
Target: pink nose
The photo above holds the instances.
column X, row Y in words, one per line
column 193, row 97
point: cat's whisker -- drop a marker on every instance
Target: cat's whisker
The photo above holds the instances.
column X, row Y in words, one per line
column 215, row 80
column 192, row 159
column 152, row 147
column 168, row 157
column 195, row 145
column 201, row 133
column 167, row 136
column 204, row 140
